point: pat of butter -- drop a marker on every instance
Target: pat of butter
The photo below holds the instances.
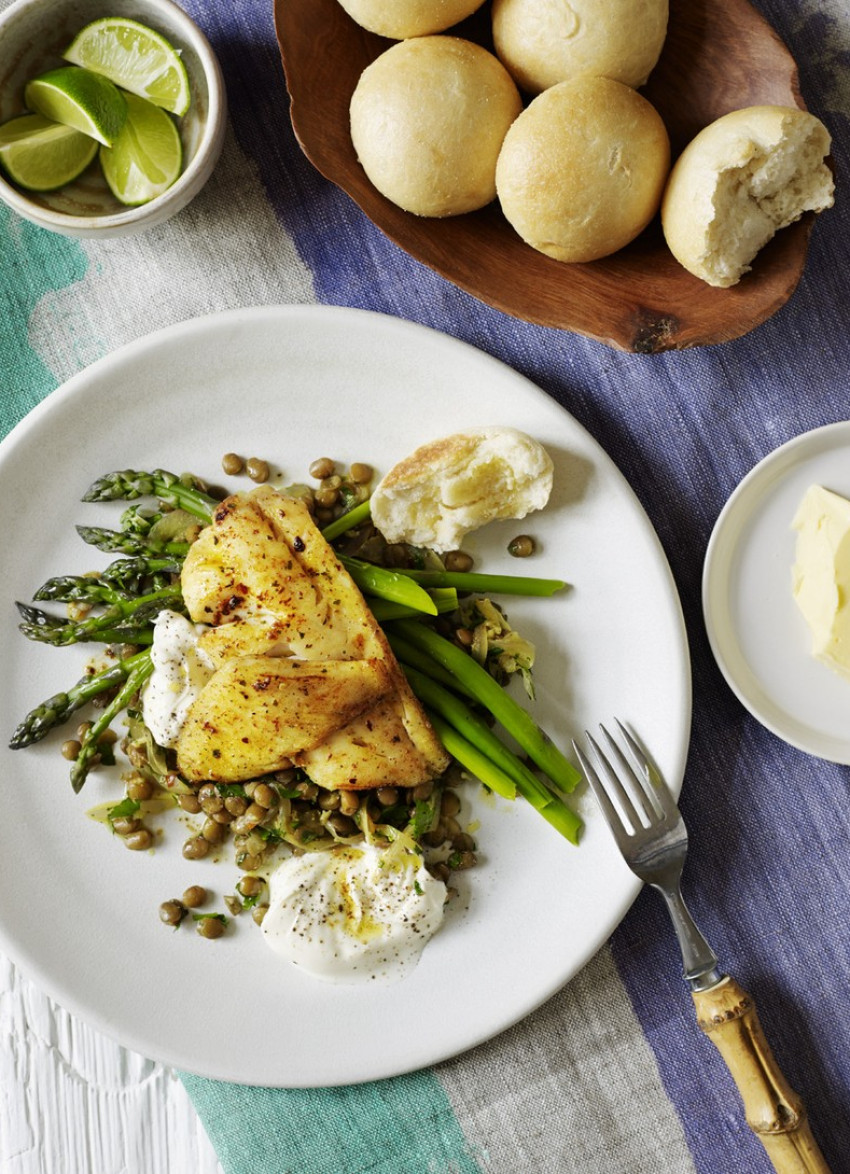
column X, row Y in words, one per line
column 821, row 574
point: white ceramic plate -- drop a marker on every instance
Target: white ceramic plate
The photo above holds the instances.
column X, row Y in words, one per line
column 757, row 633
column 79, row 912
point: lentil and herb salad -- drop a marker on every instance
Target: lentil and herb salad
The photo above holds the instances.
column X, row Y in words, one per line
column 455, row 647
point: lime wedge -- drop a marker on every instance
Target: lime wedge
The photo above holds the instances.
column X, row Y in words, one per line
column 80, row 99
column 41, row 155
column 147, row 156
column 135, row 58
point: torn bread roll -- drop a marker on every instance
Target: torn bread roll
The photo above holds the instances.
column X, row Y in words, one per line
column 543, row 42
column 409, row 18
column 742, row 179
column 427, row 121
column 452, row 486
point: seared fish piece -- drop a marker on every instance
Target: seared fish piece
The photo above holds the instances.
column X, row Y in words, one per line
column 369, row 751
column 262, row 574
column 257, row 712
column 263, row 563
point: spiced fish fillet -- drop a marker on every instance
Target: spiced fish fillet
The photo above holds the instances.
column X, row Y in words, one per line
column 303, row 671
column 266, row 580
column 289, row 706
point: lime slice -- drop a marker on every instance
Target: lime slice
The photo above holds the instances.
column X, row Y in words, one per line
column 81, row 99
column 135, row 58
column 147, row 156
column 41, row 155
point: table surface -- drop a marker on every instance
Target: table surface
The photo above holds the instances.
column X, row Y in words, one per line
column 611, row 1076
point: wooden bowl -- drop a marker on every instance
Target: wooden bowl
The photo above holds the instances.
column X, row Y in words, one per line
column 720, row 55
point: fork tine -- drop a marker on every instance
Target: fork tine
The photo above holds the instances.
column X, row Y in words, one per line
column 614, row 787
column 642, row 790
column 595, row 783
column 640, row 799
column 651, row 780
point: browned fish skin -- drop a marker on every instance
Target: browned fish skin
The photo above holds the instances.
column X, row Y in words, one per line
column 262, row 562
column 258, row 712
column 280, row 601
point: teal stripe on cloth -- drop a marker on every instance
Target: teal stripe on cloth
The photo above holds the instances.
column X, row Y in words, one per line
column 385, row 1127
column 32, row 263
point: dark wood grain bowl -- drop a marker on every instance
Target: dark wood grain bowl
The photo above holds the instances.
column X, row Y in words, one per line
column 720, row 55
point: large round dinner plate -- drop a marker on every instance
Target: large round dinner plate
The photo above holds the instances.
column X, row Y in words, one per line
column 79, row 913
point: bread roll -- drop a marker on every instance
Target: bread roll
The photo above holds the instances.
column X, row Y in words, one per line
column 409, row 18
column 449, row 487
column 543, row 42
column 427, row 120
column 582, row 169
column 738, row 182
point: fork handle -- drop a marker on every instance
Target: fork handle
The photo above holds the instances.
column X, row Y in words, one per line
column 775, row 1113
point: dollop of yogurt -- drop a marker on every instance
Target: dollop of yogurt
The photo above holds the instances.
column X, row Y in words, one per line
column 180, row 671
column 354, row 914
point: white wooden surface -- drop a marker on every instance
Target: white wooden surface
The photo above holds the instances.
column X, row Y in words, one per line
column 74, row 1102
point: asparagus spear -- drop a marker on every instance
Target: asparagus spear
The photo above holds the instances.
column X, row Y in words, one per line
column 476, row 731
column 486, row 584
column 125, row 542
column 445, row 599
column 79, row 589
column 121, row 621
column 126, row 485
column 483, row 767
column 120, row 634
column 555, row 811
column 481, row 737
column 88, row 748
column 516, row 720
column 58, row 709
column 408, row 654
column 38, row 624
column 375, row 580
column 347, row 521
column 136, row 519
column 128, row 574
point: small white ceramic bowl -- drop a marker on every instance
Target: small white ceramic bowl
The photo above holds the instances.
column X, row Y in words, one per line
column 33, row 34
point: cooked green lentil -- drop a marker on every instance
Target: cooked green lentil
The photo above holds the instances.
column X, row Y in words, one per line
column 139, row 841
column 458, row 560
column 322, row 467
column 194, row 896
column 257, row 469
column 522, row 546
column 232, row 464
column 211, row 927
column 172, row 912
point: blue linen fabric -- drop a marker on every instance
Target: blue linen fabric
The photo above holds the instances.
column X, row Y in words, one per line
column 769, row 868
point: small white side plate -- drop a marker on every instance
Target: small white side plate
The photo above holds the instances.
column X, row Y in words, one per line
column 757, row 634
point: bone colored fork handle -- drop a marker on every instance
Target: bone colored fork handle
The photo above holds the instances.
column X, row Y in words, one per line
column 777, row 1116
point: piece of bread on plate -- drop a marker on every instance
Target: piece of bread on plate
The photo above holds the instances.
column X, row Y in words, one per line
column 454, row 485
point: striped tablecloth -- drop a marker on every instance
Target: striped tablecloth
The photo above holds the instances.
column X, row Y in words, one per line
column 611, row 1075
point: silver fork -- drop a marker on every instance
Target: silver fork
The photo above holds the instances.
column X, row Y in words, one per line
column 651, row 835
